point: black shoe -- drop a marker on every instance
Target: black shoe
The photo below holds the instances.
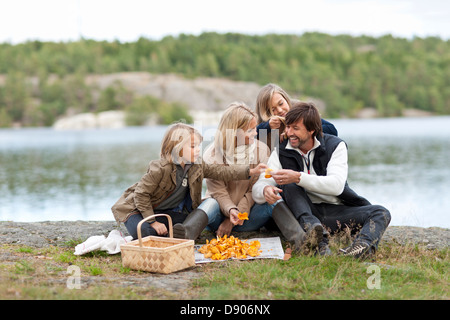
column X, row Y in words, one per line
column 323, row 249
column 358, row 250
column 314, row 235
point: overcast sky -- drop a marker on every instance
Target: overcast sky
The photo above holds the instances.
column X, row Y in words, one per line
column 68, row 20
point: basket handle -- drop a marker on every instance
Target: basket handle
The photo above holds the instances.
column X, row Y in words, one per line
column 139, row 232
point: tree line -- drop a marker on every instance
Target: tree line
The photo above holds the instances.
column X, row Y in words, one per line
column 348, row 73
column 26, row 104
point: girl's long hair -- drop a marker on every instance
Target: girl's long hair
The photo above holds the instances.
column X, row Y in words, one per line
column 263, row 108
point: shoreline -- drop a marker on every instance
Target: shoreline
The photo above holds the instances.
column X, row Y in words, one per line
column 56, row 233
column 115, row 120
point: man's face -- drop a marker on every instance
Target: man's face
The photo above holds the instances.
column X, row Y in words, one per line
column 298, row 135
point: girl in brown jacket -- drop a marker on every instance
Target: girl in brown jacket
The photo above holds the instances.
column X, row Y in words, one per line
column 173, row 185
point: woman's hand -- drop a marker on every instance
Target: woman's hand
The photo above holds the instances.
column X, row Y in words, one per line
column 256, row 171
column 160, row 228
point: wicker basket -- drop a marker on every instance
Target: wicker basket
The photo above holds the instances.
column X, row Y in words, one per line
column 158, row 254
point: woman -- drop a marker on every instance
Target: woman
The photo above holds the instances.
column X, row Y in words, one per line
column 235, row 144
column 272, row 104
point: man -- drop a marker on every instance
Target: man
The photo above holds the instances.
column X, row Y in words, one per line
column 310, row 173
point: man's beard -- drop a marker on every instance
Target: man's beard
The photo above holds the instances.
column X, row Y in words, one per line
column 297, row 143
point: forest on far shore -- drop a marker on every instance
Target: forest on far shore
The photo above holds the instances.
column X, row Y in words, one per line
column 347, row 73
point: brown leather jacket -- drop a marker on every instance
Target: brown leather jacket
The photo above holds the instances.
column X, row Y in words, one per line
column 160, row 181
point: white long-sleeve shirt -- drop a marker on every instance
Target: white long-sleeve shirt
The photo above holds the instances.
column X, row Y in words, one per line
column 320, row 189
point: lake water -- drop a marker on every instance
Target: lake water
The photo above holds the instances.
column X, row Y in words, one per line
column 401, row 163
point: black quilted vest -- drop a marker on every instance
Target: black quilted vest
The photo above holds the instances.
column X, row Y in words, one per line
column 291, row 159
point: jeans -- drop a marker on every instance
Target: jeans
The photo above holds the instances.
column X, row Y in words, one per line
column 370, row 221
column 258, row 216
column 146, row 229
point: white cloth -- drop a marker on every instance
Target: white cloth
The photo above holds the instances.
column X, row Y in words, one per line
column 111, row 244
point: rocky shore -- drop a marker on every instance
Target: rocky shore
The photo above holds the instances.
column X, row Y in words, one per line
column 41, row 234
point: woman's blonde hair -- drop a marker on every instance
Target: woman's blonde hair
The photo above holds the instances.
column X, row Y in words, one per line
column 236, row 117
column 174, row 139
column 263, row 108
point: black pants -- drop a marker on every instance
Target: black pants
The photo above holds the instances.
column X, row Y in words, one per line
column 146, row 228
column 369, row 221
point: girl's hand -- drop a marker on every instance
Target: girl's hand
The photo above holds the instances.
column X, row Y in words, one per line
column 275, row 122
column 256, row 171
column 225, row 228
column 160, row 228
column 234, row 218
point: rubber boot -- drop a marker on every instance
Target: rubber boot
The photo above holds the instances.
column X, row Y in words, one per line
column 316, row 240
column 191, row 228
column 288, row 225
column 314, row 234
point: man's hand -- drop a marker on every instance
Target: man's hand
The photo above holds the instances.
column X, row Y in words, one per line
column 271, row 194
column 286, row 176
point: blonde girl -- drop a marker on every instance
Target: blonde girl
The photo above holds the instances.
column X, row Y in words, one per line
column 173, row 185
column 272, row 105
column 235, row 143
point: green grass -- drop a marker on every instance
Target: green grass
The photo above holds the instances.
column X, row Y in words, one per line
column 402, row 272
column 399, row 273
